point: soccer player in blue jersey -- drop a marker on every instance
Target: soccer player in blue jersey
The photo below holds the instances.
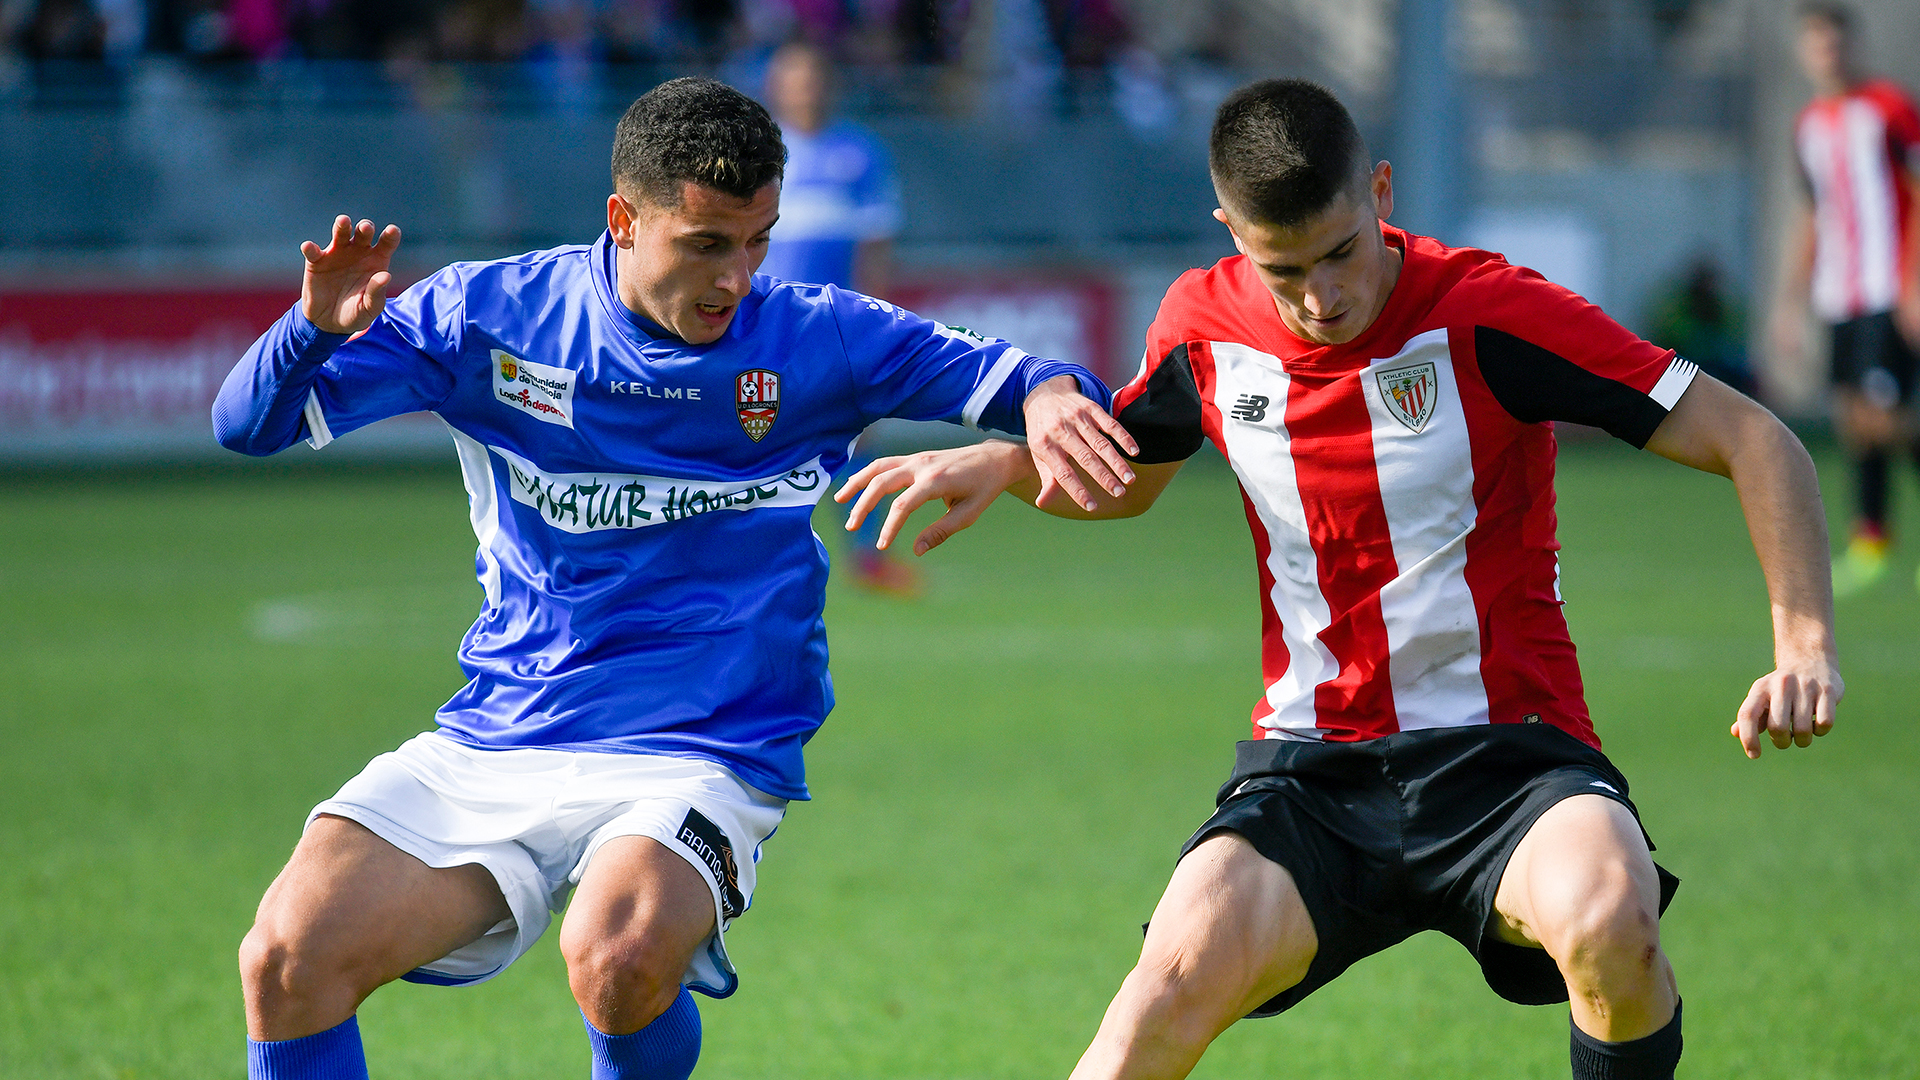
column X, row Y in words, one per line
column 644, row 426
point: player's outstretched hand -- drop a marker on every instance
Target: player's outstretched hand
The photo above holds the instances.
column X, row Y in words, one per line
column 967, row 479
column 345, row 287
column 1069, row 434
column 1790, row 706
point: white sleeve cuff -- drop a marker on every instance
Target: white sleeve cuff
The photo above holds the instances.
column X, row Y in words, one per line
column 319, row 434
column 1678, row 377
column 989, row 386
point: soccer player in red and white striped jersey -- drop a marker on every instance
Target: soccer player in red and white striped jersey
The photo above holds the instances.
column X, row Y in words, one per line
column 1422, row 757
column 1855, row 253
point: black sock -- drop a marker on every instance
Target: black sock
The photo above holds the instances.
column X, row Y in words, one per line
column 1871, row 477
column 1651, row 1058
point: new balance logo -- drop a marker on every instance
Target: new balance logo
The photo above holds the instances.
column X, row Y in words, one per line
column 1251, row 407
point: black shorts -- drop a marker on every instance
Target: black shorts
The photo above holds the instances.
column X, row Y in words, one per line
column 1871, row 356
column 1411, row 832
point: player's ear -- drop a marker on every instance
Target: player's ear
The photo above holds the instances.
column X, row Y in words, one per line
column 620, row 218
column 1381, row 183
column 1220, row 215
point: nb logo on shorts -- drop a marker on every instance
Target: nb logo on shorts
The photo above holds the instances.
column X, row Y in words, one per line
column 1251, row 407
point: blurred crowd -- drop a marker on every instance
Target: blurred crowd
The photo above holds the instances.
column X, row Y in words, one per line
column 1071, row 33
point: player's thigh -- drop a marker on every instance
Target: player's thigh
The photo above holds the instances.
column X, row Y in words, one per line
column 353, row 903
column 640, row 908
column 1585, row 859
column 1231, row 928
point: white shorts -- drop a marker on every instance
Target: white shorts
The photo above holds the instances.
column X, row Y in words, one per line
column 534, row 818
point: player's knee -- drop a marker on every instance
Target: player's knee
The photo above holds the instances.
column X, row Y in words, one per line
column 1224, row 982
column 280, row 961
column 1608, row 933
column 620, row 983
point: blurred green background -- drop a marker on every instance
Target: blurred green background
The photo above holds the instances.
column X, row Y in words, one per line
column 196, row 656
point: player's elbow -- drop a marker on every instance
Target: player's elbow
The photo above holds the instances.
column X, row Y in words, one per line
column 236, row 430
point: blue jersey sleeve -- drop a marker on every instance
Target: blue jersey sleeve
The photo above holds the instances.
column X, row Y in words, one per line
column 299, row 381
column 916, row 369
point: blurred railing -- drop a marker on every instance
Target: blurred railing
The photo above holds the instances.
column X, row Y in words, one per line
column 235, row 164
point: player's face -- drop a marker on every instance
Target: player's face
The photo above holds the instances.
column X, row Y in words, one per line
column 687, row 267
column 1823, row 53
column 1330, row 277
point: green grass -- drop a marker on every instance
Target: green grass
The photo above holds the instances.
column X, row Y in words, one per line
column 194, row 658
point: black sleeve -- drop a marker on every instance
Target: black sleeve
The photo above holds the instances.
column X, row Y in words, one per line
column 1164, row 418
column 1535, row 386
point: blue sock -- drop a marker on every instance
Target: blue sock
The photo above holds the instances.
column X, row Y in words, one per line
column 333, row 1054
column 663, row 1050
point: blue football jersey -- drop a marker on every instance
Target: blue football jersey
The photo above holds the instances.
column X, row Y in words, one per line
column 652, row 581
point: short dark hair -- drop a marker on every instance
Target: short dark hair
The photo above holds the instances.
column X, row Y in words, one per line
column 1282, row 150
column 700, row 130
column 1838, row 16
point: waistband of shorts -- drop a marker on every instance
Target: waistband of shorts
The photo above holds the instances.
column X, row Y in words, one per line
column 1257, row 758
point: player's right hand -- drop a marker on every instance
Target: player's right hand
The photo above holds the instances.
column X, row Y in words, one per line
column 1791, row 706
column 345, row 286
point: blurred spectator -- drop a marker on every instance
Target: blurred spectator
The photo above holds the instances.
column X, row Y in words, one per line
column 63, row 30
column 1087, row 33
column 478, row 31
column 566, row 52
column 256, row 29
column 1697, row 320
column 1142, row 94
column 839, row 212
column 704, row 28
column 930, row 31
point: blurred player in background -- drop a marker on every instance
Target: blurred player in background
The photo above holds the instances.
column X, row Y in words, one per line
column 1854, row 250
column 644, row 427
column 839, row 213
column 1423, row 755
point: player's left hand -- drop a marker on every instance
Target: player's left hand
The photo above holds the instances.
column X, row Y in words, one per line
column 1069, row 434
column 966, row 478
column 1790, row 706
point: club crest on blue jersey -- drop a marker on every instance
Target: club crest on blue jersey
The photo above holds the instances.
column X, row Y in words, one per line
column 1409, row 394
column 756, row 397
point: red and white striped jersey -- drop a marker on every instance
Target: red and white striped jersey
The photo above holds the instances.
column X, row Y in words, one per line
column 1400, row 486
column 1857, row 152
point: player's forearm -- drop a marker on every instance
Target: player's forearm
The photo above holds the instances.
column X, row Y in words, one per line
column 1023, row 482
column 259, row 407
column 1780, row 495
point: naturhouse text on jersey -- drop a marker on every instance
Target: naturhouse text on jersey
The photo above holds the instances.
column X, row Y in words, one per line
column 590, row 502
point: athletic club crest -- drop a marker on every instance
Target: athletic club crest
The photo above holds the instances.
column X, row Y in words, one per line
column 1409, row 394
column 756, row 396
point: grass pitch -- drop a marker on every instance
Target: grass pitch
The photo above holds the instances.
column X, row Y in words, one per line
column 195, row 657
